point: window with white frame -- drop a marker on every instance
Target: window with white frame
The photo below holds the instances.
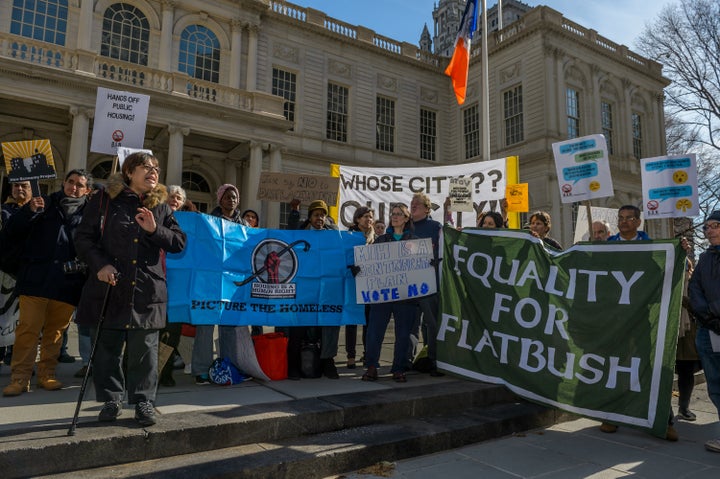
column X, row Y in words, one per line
column 471, row 131
column 337, row 112
column 284, row 84
column 637, row 135
column 513, row 115
column 384, row 124
column 43, row 20
column 572, row 99
column 606, row 121
column 428, row 134
column 125, row 34
column 199, row 53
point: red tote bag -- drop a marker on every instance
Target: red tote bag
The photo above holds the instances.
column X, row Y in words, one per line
column 271, row 352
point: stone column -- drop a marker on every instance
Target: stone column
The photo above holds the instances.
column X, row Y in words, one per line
column 624, row 128
column 165, row 59
column 251, row 83
column 235, row 53
column 230, row 173
column 77, row 156
column 173, row 174
column 251, row 179
column 596, row 121
column 272, row 208
column 85, row 24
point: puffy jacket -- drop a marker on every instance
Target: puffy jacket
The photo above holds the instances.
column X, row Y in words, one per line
column 109, row 234
column 47, row 238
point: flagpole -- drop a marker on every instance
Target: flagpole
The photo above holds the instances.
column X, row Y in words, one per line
column 485, row 120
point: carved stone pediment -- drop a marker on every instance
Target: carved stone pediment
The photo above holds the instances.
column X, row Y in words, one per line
column 340, row 69
column 386, row 82
column 286, row 52
column 428, row 95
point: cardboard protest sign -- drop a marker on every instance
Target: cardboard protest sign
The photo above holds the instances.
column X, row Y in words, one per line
column 123, row 152
column 461, row 194
column 669, row 186
column 518, row 198
column 120, row 119
column 28, row 160
column 394, row 271
column 583, row 168
column 284, row 187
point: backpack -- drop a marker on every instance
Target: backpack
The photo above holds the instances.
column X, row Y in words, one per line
column 223, row 372
column 310, row 363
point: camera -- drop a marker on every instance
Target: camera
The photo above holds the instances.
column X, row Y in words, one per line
column 74, row 266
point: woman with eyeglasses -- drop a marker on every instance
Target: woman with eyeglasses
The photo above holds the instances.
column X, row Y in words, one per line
column 403, row 312
column 121, row 237
column 704, row 294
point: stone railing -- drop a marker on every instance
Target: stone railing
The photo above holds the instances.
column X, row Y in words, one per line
column 352, row 32
column 36, row 52
column 129, row 74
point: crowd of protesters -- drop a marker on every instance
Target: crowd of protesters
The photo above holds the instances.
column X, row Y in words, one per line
column 107, row 259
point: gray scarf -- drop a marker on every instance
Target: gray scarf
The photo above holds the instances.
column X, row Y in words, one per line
column 70, row 205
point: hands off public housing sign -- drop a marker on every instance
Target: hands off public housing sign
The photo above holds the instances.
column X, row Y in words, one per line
column 120, row 118
column 591, row 330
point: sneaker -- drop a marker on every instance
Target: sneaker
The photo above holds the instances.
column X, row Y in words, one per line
column 608, row 428
column 80, row 373
column 145, row 413
column 713, row 445
column 66, row 358
column 686, row 414
column 329, row 369
column 202, row 379
column 110, row 411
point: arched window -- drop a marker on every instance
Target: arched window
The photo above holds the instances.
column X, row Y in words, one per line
column 102, row 170
column 198, row 190
column 125, row 34
column 199, row 53
column 44, row 20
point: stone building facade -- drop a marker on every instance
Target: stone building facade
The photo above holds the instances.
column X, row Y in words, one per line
column 238, row 87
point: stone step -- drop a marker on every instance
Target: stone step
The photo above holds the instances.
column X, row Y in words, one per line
column 336, row 452
column 48, row 450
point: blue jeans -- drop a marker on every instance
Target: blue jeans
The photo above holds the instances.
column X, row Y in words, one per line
column 711, row 364
column 404, row 316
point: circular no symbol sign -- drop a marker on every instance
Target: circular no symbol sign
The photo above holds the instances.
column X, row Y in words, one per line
column 117, row 135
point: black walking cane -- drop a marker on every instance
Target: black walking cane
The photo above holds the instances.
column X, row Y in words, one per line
column 106, row 300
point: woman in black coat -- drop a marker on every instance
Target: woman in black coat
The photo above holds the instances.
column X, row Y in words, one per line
column 121, row 236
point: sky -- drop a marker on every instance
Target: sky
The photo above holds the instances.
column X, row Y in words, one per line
column 621, row 21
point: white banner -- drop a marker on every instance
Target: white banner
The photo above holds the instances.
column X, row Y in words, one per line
column 393, row 271
column 378, row 188
column 583, row 169
column 669, row 186
column 120, row 118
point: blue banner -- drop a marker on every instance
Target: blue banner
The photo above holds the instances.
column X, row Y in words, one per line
column 233, row 275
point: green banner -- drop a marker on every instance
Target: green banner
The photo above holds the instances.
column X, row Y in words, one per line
column 591, row 330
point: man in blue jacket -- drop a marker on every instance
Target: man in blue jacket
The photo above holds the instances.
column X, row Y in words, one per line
column 48, row 294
